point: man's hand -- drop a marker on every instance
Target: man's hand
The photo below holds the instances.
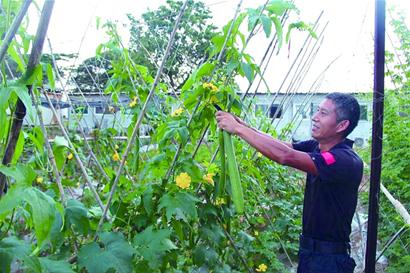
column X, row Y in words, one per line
column 228, row 122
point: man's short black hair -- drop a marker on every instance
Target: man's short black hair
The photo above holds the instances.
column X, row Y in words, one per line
column 347, row 108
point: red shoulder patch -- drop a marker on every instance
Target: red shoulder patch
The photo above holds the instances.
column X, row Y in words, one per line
column 328, row 157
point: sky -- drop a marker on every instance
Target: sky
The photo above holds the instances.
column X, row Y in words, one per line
column 347, row 38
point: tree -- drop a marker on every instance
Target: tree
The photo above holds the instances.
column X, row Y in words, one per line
column 92, row 74
column 149, row 39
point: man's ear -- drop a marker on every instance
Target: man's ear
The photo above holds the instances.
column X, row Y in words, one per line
column 341, row 126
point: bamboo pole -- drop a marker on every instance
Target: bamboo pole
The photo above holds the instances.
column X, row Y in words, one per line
column 20, row 111
column 397, row 205
column 49, row 150
column 13, row 29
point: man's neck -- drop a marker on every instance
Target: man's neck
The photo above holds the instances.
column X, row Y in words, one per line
column 326, row 145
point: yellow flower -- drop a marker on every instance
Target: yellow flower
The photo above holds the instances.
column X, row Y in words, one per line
column 220, row 201
column 111, row 109
column 177, row 112
column 210, row 86
column 133, row 102
column 39, row 179
column 262, row 268
column 183, row 180
column 209, row 178
column 70, row 156
column 115, row 156
column 256, row 233
column 214, row 99
column 259, row 154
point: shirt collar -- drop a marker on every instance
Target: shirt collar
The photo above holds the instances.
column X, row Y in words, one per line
column 346, row 142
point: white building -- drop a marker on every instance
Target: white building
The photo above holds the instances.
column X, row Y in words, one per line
column 298, row 108
column 292, row 112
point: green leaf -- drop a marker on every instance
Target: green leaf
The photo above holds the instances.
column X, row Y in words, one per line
column 76, row 216
column 279, row 30
column 59, row 150
column 42, row 206
column 278, row 7
column 53, row 266
column 267, row 25
column 15, row 56
column 302, row 26
column 188, row 84
column 253, row 17
column 115, row 254
column 205, row 255
column 43, row 212
column 50, row 76
column 217, row 41
column 23, row 174
column 12, row 248
column 183, row 134
column 4, row 120
column 37, row 138
column 19, row 147
column 248, row 70
column 147, row 200
column 56, row 234
column 60, row 141
column 153, row 245
column 204, row 70
column 33, row 76
column 22, row 92
column 11, row 200
column 4, row 97
column 182, row 205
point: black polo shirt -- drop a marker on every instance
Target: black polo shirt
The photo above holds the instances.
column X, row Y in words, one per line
column 331, row 196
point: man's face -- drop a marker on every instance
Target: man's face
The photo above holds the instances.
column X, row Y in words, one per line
column 324, row 121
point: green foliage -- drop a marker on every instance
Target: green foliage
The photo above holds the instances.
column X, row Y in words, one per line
column 153, row 245
column 76, row 216
column 160, row 226
column 182, row 205
column 114, row 253
column 42, row 206
column 55, row 266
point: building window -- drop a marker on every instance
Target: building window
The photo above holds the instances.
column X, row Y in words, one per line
column 314, row 107
column 261, row 108
column 302, row 110
column 106, row 109
column 80, row 109
column 363, row 112
column 99, row 109
column 275, row 111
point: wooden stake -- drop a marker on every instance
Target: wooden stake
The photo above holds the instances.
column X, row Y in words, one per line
column 20, row 111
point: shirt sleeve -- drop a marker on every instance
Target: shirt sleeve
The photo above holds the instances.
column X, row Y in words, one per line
column 305, row 146
column 334, row 166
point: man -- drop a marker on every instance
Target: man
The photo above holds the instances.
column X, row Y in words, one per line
column 334, row 172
